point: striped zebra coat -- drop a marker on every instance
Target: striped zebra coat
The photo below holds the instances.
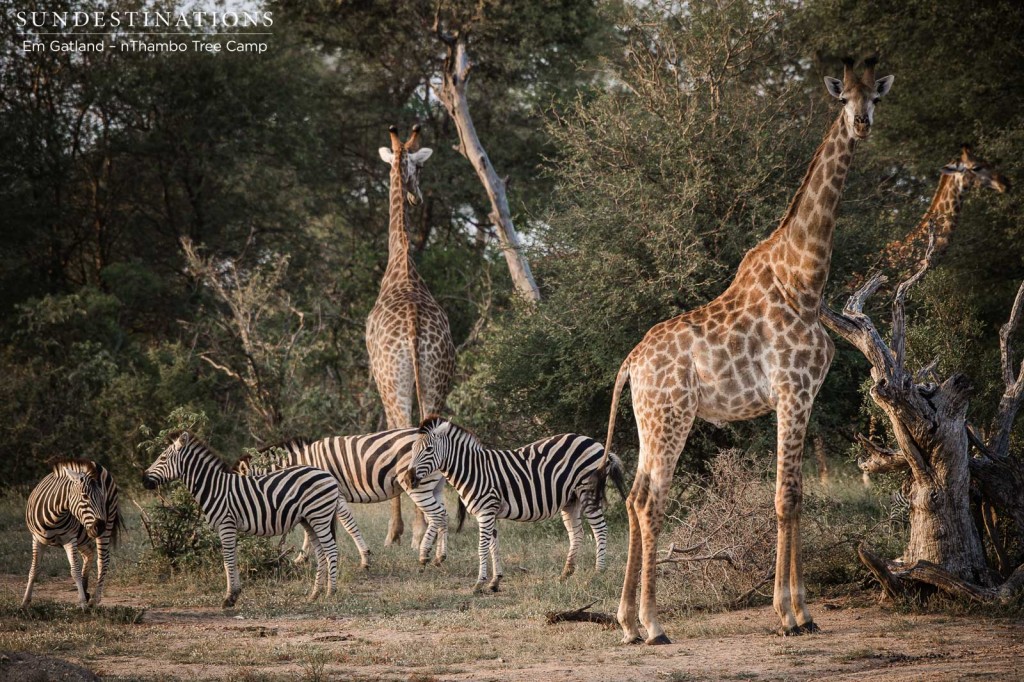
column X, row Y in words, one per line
column 368, row 469
column 75, row 506
column 565, row 473
column 256, row 505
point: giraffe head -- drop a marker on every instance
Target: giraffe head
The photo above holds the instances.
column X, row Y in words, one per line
column 409, row 158
column 859, row 95
column 973, row 170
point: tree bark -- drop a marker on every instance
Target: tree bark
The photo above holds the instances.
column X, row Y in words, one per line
column 453, row 95
column 929, row 424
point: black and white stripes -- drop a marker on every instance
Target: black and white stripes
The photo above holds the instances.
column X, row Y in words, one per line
column 562, row 473
column 258, row 505
column 367, row 469
column 74, row 506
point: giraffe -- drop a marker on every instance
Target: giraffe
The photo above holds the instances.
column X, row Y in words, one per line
column 757, row 348
column 407, row 333
column 956, row 178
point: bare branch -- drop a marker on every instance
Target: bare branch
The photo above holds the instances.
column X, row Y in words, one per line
column 880, row 459
column 899, row 314
column 1009, row 404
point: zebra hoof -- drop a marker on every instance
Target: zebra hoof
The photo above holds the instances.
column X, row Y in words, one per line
column 479, row 588
column 660, row 639
column 567, row 573
column 632, row 639
column 83, row 606
column 229, row 602
column 439, row 560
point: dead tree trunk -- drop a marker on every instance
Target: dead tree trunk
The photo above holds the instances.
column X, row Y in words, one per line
column 929, row 423
column 453, row 95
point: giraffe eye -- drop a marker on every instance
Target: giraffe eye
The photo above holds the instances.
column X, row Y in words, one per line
column 876, row 100
column 842, row 100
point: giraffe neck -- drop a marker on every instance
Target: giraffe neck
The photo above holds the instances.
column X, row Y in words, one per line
column 399, row 263
column 943, row 212
column 801, row 253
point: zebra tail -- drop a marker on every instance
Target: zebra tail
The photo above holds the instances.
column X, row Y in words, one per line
column 462, row 516
column 620, row 380
column 617, row 473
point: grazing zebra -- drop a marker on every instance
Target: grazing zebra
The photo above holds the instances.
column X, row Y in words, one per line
column 75, row 506
column 562, row 473
column 367, row 469
column 256, row 505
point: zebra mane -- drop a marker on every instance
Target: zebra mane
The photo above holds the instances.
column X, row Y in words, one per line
column 434, row 422
column 224, row 466
column 84, row 466
column 300, row 441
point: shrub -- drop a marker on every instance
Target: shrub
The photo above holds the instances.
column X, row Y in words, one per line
column 725, row 537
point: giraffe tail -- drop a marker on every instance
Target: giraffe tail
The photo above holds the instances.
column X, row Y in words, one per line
column 414, row 340
column 620, row 380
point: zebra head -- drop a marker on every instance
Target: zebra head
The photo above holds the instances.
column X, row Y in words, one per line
column 168, row 466
column 86, row 502
column 430, row 449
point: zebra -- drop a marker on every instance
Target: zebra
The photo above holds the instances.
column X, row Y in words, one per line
column 256, row 505
column 368, row 469
column 74, row 506
column 562, row 473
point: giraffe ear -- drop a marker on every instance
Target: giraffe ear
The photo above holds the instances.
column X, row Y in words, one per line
column 386, row 155
column 884, row 85
column 420, row 157
column 834, row 87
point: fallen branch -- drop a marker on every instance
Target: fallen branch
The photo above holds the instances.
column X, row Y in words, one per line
column 582, row 615
column 145, row 522
column 892, row 586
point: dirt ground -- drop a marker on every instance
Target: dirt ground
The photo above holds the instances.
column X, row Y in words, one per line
column 858, row 642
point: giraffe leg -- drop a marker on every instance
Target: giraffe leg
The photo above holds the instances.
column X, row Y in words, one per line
column 627, row 603
column 790, row 595
column 659, row 451
column 32, row 570
column 396, row 526
column 228, row 544
column 574, row 527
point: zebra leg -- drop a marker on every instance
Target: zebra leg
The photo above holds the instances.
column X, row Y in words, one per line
column 496, row 561
column 430, row 505
column 348, row 522
column 329, row 550
column 228, row 545
column 75, row 560
column 395, row 524
column 599, row 527
column 573, row 526
column 321, row 560
column 486, row 522
column 36, row 545
column 102, row 563
column 88, row 552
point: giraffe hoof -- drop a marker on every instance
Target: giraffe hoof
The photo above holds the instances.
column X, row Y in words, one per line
column 798, row 630
column 809, row 628
column 660, row 639
column 632, row 639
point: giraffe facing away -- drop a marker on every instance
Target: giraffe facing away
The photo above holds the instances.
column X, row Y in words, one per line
column 956, row 179
column 407, row 335
column 757, row 348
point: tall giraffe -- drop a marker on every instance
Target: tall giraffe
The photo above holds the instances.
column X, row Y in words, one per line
column 956, row 178
column 757, row 348
column 407, row 333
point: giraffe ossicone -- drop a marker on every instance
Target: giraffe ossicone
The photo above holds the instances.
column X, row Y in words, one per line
column 757, row 348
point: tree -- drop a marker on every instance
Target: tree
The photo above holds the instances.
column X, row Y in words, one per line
column 929, row 421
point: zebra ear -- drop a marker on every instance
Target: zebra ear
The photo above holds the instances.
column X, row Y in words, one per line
column 76, row 476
